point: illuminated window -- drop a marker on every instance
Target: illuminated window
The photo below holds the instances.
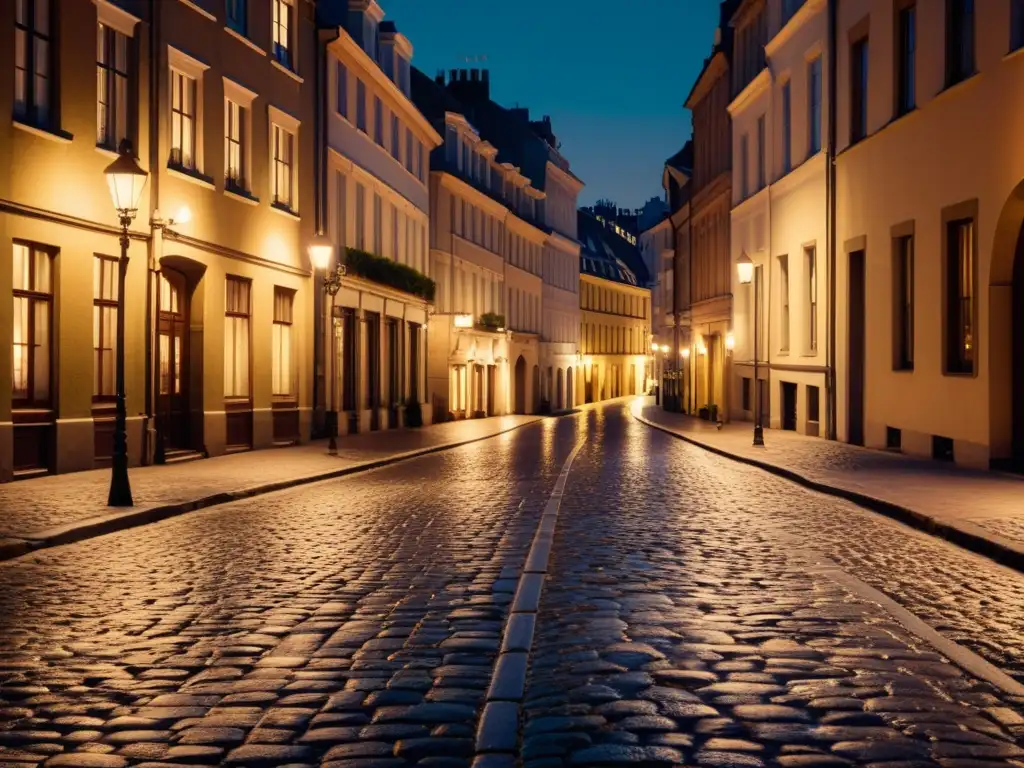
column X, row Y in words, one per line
column 33, row 61
column 183, row 120
column 32, row 334
column 104, row 326
column 112, row 52
column 281, row 342
column 282, row 26
column 234, row 148
column 784, row 302
column 960, row 335
column 236, row 337
column 283, row 157
column 811, row 274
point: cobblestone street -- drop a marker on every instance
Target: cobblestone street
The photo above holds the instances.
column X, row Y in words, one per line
column 691, row 615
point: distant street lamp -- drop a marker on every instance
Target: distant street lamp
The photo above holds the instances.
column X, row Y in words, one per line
column 320, row 252
column 126, row 180
column 747, row 275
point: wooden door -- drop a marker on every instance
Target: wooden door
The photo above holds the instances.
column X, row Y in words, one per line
column 172, row 398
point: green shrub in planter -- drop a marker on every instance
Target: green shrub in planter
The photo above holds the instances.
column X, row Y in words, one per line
column 492, row 320
column 383, row 271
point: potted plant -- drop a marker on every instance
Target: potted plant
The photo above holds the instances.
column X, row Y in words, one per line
column 492, row 321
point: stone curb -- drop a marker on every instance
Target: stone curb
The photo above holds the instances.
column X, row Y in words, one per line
column 963, row 534
column 91, row 527
column 497, row 735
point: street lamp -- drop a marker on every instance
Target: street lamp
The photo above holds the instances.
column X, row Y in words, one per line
column 747, row 275
column 126, row 180
column 320, row 252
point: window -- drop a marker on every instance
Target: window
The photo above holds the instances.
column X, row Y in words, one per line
column 960, row 336
column 104, row 326
column 342, row 91
column 360, row 217
column 33, row 61
column 361, row 105
column 378, row 121
column 760, row 153
column 32, row 332
column 341, row 222
column 1016, row 24
column 408, row 152
column 813, row 403
column 906, row 54
column 396, row 137
column 283, row 147
column 378, row 225
column 234, row 150
column 959, row 40
column 787, row 128
column 112, row 50
column 420, row 171
column 282, row 32
column 744, row 165
column 395, row 229
column 183, row 120
column 281, row 342
column 784, row 302
column 236, row 337
column 811, row 272
column 859, row 90
column 903, row 302
column 814, row 107
column 237, row 15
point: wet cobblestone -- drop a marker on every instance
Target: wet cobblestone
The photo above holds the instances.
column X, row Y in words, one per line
column 350, row 621
column 680, row 624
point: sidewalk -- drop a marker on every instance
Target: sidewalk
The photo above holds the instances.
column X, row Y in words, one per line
column 982, row 511
column 59, row 509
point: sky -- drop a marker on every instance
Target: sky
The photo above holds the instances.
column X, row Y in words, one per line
column 612, row 74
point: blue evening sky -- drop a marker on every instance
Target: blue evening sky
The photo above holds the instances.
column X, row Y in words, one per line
column 613, row 74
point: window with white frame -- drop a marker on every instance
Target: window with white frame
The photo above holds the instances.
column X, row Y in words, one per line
column 283, row 28
column 378, row 225
column 360, row 221
column 234, row 151
column 183, row 120
column 32, row 329
column 113, row 50
column 281, row 343
column 378, row 121
column 360, row 105
column 811, row 274
column 342, row 91
column 237, row 310
column 341, row 212
column 282, row 146
column 33, row 62
column 104, row 326
column 396, row 137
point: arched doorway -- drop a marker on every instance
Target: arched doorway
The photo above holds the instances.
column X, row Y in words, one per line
column 560, row 393
column 570, row 398
column 1006, row 336
column 520, row 385
column 536, row 389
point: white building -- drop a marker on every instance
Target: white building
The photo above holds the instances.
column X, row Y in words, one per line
column 378, row 149
column 779, row 211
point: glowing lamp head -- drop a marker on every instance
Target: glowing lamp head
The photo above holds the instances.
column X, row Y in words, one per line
column 320, row 252
column 183, row 216
column 745, row 269
column 463, row 321
column 730, row 341
column 685, row 353
column 126, row 180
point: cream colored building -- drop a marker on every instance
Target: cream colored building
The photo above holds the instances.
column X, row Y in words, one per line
column 657, row 247
column 930, row 255
column 779, row 119
column 378, row 166
column 615, row 315
column 218, row 339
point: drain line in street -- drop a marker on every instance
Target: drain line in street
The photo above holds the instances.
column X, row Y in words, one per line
column 497, row 737
column 963, row 657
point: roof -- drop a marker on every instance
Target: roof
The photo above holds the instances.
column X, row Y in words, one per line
column 683, row 159
column 607, row 255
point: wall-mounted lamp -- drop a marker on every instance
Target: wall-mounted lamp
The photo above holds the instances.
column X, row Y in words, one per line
column 730, row 341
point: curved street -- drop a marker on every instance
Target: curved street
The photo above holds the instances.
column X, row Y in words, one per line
column 691, row 614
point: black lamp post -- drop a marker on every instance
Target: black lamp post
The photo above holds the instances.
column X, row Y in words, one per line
column 320, row 252
column 126, row 180
column 747, row 275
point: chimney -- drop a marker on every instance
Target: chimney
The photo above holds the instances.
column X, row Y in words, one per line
column 470, row 86
column 474, row 75
column 439, row 77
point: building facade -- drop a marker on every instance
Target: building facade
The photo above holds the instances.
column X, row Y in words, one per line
column 219, row 110
column 779, row 215
column 615, row 316
column 710, row 204
column 676, row 180
column 930, row 199
column 657, row 248
column 377, row 169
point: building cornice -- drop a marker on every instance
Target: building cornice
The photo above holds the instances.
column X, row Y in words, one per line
column 713, row 70
column 753, row 89
column 559, row 240
column 586, row 277
column 348, row 50
column 663, row 224
column 575, row 183
column 795, row 23
column 454, row 184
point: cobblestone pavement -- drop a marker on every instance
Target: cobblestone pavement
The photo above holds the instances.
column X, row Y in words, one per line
column 33, row 505
column 681, row 624
column 988, row 500
column 352, row 621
